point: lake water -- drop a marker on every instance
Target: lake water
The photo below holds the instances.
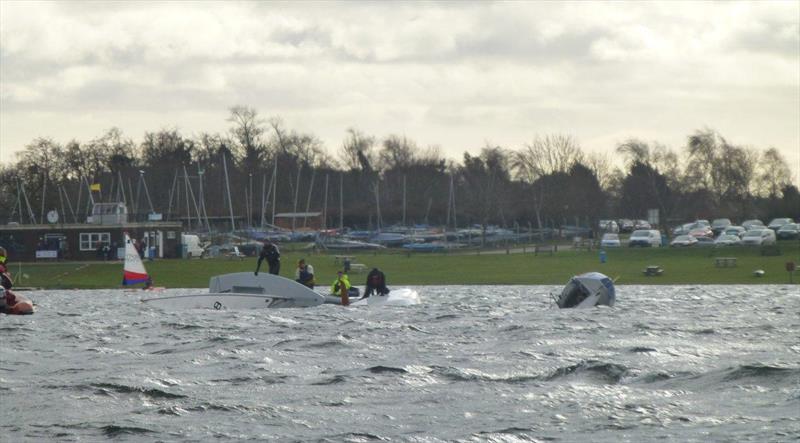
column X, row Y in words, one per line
column 471, row 363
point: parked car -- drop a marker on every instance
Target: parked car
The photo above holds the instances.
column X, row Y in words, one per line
column 702, row 222
column 704, row 241
column 752, row 224
column 641, row 224
column 705, row 231
column 789, row 231
column 645, row 238
column 683, row 241
column 719, row 225
column 759, row 237
column 683, row 229
column 625, row 225
column 728, row 240
column 735, row 230
column 610, row 240
column 608, row 226
column 777, row 223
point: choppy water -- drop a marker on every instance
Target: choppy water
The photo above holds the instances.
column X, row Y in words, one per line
column 469, row 364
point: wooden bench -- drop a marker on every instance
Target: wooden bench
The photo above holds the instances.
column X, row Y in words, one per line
column 725, row 262
column 342, row 258
column 550, row 249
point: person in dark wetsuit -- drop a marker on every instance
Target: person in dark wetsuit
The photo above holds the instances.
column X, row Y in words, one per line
column 272, row 254
column 376, row 282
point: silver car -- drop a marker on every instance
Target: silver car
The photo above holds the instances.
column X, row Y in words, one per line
column 758, row 237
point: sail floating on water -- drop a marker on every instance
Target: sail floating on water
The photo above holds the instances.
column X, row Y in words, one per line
column 133, row 271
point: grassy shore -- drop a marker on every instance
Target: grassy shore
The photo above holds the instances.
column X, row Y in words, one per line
column 681, row 266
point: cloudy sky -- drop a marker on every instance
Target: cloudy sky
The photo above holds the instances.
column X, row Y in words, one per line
column 452, row 74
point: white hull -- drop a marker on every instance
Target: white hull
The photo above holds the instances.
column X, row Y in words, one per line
column 244, row 290
column 587, row 290
column 397, row 297
column 220, row 301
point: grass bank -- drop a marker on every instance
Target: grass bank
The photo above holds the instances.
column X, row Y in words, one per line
column 681, row 266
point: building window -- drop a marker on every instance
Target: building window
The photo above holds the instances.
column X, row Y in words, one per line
column 91, row 240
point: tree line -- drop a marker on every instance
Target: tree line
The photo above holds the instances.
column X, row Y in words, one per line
column 261, row 166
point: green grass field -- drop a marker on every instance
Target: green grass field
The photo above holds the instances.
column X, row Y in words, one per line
column 681, row 266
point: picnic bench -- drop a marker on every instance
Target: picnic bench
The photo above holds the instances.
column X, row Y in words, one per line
column 343, row 258
column 725, row 262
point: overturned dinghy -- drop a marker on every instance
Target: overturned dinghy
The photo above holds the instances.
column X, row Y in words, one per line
column 587, row 290
column 244, row 290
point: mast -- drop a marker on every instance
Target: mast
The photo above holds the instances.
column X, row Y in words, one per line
column 274, row 188
column 188, row 209
column 194, row 201
column 378, row 204
column 341, row 200
column 308, row 200
column 172, row 194
column 404, row 200
column 200, row 173
column 228, row 189
column 296, row 195
column 325, row 204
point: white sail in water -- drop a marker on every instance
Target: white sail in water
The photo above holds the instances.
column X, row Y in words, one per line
column 133, row 271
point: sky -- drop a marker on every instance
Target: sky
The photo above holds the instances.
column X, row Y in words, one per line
column 457, row 75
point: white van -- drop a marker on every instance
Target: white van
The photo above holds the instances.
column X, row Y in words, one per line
column 191, row 244
column 645, row 238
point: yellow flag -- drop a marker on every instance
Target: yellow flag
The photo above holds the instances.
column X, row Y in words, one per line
column 95, row 187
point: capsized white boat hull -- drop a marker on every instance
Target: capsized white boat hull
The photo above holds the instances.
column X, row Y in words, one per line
column 221, row 301
column 396, row 297
column 244, row 290
column 587, row 290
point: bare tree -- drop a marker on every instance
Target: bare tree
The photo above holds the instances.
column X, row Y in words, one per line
column 355, row 146
column 544, row 156
column 247, row 131
column 772, row 174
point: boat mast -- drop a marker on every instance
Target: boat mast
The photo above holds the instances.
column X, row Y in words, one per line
column 341, row 200
column 172, row 194
column 308, row 199
column 296, row 196
column 377, row 204
column 194, row 201
column 200, row 173
column 404, row 200
column 228, row 188
column 325, row 204
column 274, row 188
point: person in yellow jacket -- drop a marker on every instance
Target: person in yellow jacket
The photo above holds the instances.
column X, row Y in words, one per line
column 341, row 281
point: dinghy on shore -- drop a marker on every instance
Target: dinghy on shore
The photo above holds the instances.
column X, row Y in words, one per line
column 243, row 290
column 587, row 290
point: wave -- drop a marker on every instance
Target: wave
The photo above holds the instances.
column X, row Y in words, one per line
column 386, row 369
column 123, row 389
column 457, row 374
column 610, row 373
column 332, row 381
column 116, row 431
column 637, row 349
column 765, row 372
